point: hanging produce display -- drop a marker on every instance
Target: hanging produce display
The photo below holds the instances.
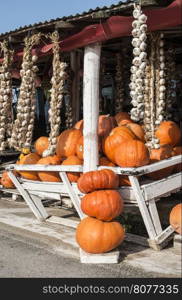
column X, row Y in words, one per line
column 6, row 97
column 57, row 93
column 68, row 105
column 22, row 132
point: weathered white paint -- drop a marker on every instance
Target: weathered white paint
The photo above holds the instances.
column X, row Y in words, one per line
column 63, row 221
column 111, row 257
column 91, row 105
column 155, row 216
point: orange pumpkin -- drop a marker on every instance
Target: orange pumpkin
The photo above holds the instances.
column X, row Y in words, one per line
column 104, row 161
column 104, row 205
column 79, row 125
column 95, row 236
column 116, row 137
column 80, row 145
column 73, row 160
column 131, row 154
column 122, row 118
column 41, row 144
column 177, row 151
column 168, row 133
column 156, row 155
column 6, row 181
column 67, row 142
column 98, row 180
column 49, row 176
column 124, row 180
column 175, row 218
column 30, row 159
column 137, row 130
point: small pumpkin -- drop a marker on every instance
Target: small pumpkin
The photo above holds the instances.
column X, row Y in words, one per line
column 156, row 155
column 67, row 142
column 175, row 218
column 72, row 160
column 98, row 180
column 116, row 137
column 6, row 181
column 95, row 236
column 79, row 125
column 104, row 161
column 124, row 180
column 49, row 176
column 41, row 144
column 131, row 154
column 137, row 130
column 168, row 133
column 104, row 205
column 122, row 118
column 30, row 159
column 80, row 145
column 177, row 151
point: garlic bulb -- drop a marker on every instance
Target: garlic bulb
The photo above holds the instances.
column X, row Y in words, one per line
column 6, row 112
column 57, row 92
column 23, row 125
column 139, row 63
column 68, row 106
column 170, row 93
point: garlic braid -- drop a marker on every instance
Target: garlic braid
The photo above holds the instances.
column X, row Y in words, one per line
column 68, row 106
column 57, row 91
column 23, row 127
column 6, row 112
column 170, row 83
column 138, row 63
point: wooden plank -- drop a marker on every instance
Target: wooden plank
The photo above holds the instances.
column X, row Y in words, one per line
column 155, row 216
column 47, row 168
column 63, row 221
column 91, row 105
column 142, row 206
column 164, row 234
column 26, row 197
column 111, row 257
column 40, row 206
column 74, row 197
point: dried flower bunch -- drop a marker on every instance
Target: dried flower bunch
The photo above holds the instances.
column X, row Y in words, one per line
column 6, row 113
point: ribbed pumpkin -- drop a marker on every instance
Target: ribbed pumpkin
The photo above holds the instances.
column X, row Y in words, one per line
column 41, row 144
column 98, row 180
column 168, row 133
column 132, row 153
column 104, row 205
column 137, row 130
column 95, row 236
column 30, row 159
column 104, row 161
column 175, row 218
column 177, row 151
column 49, row 176
column 73, row 160
column 6, row 181
column 122, row 118
column 157, row 155
column 67, row 142
column 116, row 137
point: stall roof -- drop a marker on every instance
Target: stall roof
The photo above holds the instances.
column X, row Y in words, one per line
column 91, row 16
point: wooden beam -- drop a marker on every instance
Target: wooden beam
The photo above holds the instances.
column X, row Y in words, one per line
column 91, row 105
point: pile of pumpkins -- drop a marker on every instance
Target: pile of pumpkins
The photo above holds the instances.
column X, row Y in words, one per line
column 102, row 203
column 121, row 143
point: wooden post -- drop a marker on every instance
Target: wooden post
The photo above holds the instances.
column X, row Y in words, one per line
column 91, row 105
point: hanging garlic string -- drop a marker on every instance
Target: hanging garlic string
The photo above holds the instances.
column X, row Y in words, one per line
column 170, row 83
column 21, row 137
column 6, row 96
column 147, row 108
column 119, row 83
column 68, row 106
column 57, row 93
column 138, row 63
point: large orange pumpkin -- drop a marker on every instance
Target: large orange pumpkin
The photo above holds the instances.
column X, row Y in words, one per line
column 175, row 218
column 131, row 154
column 67, row 142
column 122, row 118
column 41, row 144
column 168, row 133
column 73, row 160
column 6, row 181
column 98, row 180
column 49, row 176
column 95, row 236
column 79, row 125
column 157, row 155
column 137, row 130
column 30, row 159
column 177, row 151
column 104, row 205
column 116, row 137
